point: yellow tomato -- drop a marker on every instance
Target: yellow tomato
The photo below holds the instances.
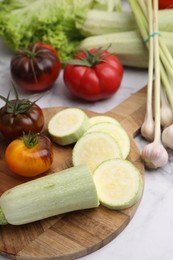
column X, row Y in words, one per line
column 29, row 156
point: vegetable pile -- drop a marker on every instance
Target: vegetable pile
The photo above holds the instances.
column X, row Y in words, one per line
column 54, row 22
column 28, row 153
column 72, row 25
column 103, row 145
column 101, row 172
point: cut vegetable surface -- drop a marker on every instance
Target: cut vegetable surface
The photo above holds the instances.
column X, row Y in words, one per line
column 101, row 119
column 119, row 183
column 94, row 148
column 65, row 191
column 67, row 126
column 117, row 132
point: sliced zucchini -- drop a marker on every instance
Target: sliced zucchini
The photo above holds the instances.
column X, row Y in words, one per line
column 68, row 125
column 119, row 183
column 117, row 132
column 102, row 119
column 94, row 148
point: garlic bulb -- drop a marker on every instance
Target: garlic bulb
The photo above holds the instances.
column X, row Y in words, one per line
column 165, row 112
column 154, row 155
column 167, row 136
column 147, row 128
column 166, row 117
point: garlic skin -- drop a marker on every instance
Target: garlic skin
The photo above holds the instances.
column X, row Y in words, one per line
column 147, row 129
column 154, row 155
column 167, row 136
column 166, row 116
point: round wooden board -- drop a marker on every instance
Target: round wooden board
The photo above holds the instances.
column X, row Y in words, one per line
column 75, row 234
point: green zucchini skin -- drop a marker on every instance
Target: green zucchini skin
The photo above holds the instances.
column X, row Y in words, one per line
column 69, row 190
column 3, row 220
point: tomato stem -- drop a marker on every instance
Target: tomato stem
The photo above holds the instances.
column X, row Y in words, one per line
column 30, row 140
column 33, row 70
column 17, row 106
column 30, row 53
column 91, row 59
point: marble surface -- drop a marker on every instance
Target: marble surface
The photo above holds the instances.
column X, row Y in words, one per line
column 149, row 235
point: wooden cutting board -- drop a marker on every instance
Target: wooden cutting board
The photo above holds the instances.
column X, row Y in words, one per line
column 71, row 235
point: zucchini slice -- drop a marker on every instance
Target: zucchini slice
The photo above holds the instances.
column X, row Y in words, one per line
column 119, row 183
column 68, row 125
column 94, row 148
column 117, row 132
column 102, row 119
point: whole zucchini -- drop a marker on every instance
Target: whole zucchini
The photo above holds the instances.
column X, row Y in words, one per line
column 69, row 190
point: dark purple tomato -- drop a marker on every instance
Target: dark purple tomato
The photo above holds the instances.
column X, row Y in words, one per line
column 36, row 68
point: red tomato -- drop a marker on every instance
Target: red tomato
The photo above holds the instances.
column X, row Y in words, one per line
column 29, row 155
column 93, row 75
column 163, row 4
column 18, row 116
column 36, row 68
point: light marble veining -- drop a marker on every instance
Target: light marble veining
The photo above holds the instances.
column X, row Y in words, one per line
column 149, row 235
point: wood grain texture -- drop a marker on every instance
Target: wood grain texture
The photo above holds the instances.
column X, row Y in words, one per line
column 72, row 235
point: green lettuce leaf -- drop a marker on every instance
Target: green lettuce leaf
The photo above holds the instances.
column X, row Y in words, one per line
column 56, row 22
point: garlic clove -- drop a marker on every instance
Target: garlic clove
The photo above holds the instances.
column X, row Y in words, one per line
column 154, row 155
column 166, row 117
column 167, row 136
column 147, row 129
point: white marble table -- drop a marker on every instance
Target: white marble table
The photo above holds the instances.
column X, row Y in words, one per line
column 149, row 236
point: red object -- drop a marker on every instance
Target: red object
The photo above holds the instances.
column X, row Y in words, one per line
column 36, row 68
column 165, row 4
column 93, row 75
